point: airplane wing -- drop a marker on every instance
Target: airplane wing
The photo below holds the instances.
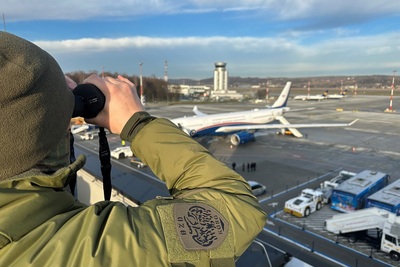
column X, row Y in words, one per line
column 299, row 109
column 227, row 129
column 198, row 112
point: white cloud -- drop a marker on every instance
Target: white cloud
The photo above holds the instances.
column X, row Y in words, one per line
column 315, row 39
column 246, row 56
column 27, row 10
column 383, row 42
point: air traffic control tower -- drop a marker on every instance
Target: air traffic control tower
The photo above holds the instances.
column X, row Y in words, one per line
column 220, row 77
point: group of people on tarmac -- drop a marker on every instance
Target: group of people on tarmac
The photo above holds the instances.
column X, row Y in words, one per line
column 251, row 166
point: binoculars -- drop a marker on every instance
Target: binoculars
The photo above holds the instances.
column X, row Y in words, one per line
column 89, row 101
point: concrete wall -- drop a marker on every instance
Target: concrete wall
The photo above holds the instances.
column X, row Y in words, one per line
column 89, row 190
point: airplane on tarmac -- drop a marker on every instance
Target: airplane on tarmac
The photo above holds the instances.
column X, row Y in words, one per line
column 336, row 96
column 79, row 128
column 317, row 97
column 320, row 97
column 242, row 125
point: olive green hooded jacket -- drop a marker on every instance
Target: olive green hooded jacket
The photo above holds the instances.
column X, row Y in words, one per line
column 210, row 220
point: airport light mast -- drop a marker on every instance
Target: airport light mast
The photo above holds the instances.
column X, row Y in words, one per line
column 390, row 108
column 308, row 90
column 142, row 99
column 266, row 91
column 166, row 77
column 341, row 87
column 166, row 71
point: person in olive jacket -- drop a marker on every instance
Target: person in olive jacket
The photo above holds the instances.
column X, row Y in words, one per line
column 209, row 220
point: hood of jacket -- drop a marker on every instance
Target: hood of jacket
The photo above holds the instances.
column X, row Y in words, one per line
column 32, row 198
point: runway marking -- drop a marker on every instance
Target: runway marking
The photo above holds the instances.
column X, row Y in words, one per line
column 371, row 131
column 389, row 152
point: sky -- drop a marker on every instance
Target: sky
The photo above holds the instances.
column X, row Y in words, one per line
column 256, row 38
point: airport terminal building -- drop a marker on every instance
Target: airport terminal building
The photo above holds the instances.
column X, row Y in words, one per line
column 220, row 91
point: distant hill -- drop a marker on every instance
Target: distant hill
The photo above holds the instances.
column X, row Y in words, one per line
column 366, row 81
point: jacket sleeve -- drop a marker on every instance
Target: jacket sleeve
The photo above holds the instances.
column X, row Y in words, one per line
column 192, row 173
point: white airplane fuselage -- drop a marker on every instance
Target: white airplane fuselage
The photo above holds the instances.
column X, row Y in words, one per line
column 309, row 97
column 197, row 126
column 241, row 125
column 335, row 96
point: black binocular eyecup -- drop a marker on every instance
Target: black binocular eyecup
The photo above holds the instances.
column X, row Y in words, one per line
column 89, row 101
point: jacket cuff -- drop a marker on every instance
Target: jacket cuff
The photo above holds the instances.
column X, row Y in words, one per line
column 135, row 124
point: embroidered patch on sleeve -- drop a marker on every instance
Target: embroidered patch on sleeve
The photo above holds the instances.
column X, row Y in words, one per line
column 215, row 237
column 199, row 226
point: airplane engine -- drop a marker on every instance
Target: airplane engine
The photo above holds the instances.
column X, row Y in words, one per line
column 241, row 138
column 192, row 133
column 187, row 131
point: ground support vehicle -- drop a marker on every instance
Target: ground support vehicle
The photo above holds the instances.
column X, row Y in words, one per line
column 356, row 225
column 138, row 163
column 302, row 206
column 86, row 136
column 122, row 152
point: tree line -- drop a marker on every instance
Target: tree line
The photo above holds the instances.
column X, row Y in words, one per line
column 153, row 88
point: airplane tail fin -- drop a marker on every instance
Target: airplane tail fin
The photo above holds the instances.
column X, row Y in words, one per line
column 283, row 97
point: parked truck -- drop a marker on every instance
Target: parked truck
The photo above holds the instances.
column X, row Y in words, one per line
column 356, row 224
column 308, row 202
column 122, row 152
